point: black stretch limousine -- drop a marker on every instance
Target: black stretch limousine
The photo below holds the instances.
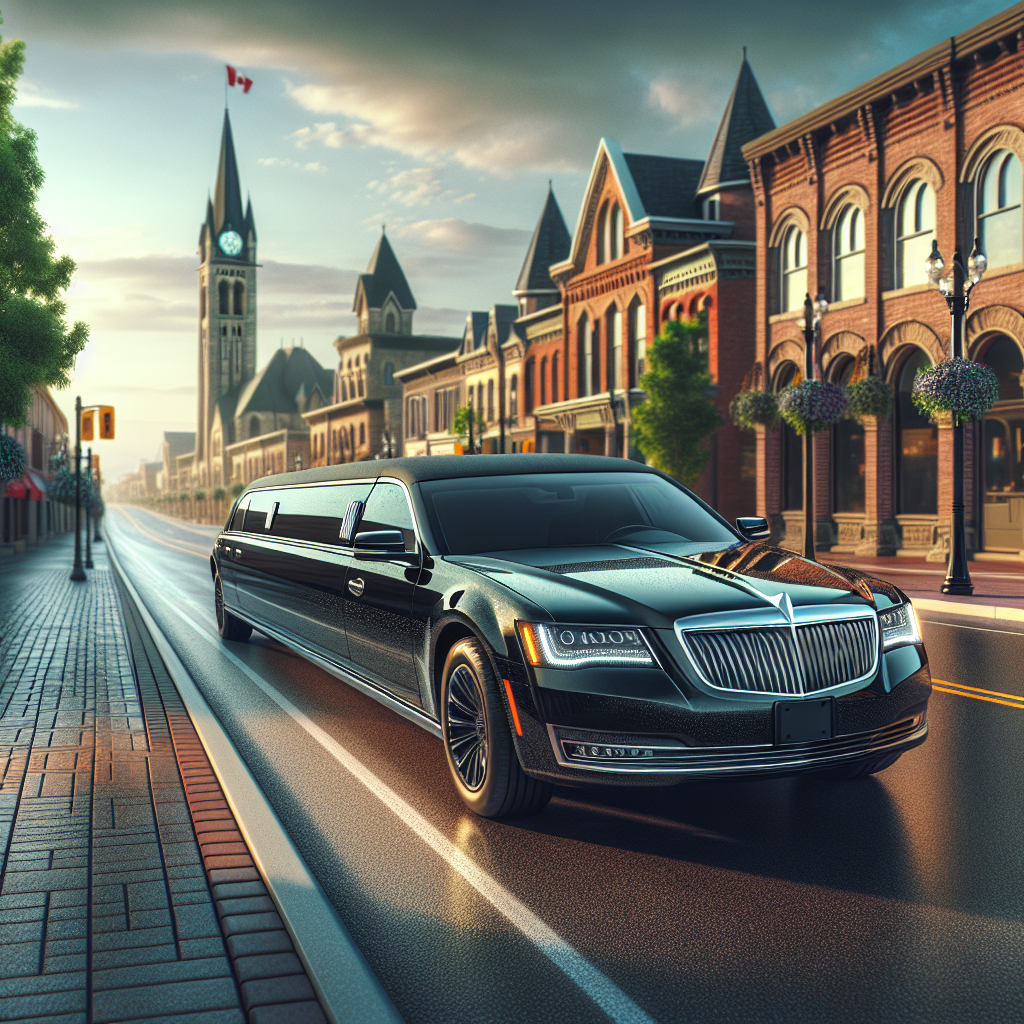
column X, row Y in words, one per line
column 572, row 618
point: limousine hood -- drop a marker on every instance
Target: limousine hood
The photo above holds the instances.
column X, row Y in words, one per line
column 626, row 584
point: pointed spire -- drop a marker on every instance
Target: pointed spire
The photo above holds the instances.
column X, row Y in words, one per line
column 550, row 244
column 746, row 117
column 384, row 275
column 250, row 222
column 227, row 202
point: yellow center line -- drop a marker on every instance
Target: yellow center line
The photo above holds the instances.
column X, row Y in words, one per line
column 166, row 543
column 977, row 689
column 977, row 696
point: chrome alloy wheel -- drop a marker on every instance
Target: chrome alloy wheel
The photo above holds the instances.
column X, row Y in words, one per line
column 467, row 728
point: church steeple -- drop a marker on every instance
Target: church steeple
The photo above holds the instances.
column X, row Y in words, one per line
column 550, row 244
column 383, row 301
column 227, row 197
column 746, row 117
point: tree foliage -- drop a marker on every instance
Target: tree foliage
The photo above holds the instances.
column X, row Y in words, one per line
column 669, row 428
column 36, row 347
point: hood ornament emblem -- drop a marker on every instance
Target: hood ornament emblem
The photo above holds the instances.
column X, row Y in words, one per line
column 784, row 605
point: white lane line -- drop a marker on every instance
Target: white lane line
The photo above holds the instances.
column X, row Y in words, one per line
column 979, row 629
column 602, row 990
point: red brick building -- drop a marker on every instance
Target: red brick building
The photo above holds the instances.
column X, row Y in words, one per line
column 657, row 238
column 849, row 198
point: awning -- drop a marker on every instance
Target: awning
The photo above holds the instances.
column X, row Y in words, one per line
column 16, row 489
column 37, row 484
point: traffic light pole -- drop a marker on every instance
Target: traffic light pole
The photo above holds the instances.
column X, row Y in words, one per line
column 77, row 572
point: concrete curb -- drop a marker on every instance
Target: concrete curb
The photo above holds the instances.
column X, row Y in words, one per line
column 347, row 987
column 981, row 611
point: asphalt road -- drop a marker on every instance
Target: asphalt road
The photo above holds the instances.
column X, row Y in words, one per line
column 894, row 898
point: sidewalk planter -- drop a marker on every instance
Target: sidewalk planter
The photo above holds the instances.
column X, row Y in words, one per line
column 871, row 396
column 812, row 405
column 752, row 409
column 958, row 386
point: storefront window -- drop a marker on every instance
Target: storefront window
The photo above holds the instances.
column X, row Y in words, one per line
column 1004, row 423
column 917, row 447
column 847, row 455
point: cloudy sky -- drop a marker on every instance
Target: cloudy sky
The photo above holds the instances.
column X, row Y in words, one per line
column 444, row 121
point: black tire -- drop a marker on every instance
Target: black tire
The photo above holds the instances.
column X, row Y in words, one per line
column 229, row 627
column 478, row 740
column 869, row 766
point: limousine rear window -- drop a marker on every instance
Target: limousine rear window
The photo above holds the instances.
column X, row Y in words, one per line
column 387, row 508
column 238, row 518
column 566, row 509
column 304, row 513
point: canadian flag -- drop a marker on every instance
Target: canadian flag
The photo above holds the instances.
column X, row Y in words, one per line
column 234, row 78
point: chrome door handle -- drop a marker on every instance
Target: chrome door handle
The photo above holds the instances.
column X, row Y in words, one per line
column 356, row 587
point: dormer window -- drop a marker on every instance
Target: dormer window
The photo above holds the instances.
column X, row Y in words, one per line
column 713, row 208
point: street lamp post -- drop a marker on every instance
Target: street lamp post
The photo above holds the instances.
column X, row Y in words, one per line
column 814, row 310
column 77, row 572
column 88, row 509
column 958, row 577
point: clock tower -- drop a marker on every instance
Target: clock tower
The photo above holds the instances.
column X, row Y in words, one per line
column 227, row 308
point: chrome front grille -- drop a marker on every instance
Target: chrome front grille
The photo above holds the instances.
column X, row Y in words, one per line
column 798, row 657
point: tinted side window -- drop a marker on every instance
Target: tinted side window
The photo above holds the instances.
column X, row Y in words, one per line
column 237, row 521
column 387, row 508
column 315, row 513
column 260, row 503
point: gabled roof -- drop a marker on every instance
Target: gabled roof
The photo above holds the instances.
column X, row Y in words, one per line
column 550, row 244
column 666, row 184
column 502, row 317
column 384, row 276
column 475, row 336
column 746, row 117
column 291, row 373
column 227, row 197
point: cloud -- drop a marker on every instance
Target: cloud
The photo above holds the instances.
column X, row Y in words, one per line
column 505, row 87
column 30, row 95
column 417, row 186
column 461, row 236
column 275, row 161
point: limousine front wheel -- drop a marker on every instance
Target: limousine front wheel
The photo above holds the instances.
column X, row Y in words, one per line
column 229, row 627
column 477, row 741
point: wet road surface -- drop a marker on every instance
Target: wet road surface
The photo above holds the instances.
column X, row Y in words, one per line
column 893, row 898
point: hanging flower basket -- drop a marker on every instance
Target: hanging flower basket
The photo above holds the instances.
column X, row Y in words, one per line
column 869, row 397
column 812, row 405
column 960, row 386
column 12, row 459
column 750, row 409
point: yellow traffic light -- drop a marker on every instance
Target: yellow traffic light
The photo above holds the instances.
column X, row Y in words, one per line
column 87, row 425
column 106, row 423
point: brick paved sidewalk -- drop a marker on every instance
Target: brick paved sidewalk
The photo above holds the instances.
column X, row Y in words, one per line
column 126, row 890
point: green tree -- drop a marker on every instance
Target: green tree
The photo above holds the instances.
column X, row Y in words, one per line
column 36, row 347
column 669, row 428
column 460, row 425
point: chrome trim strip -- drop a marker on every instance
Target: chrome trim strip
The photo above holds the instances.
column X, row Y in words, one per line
column 753, row 765
column 394, row 703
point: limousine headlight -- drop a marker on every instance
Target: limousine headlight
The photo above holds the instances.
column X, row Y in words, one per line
column 550, row 646
column 899, row 625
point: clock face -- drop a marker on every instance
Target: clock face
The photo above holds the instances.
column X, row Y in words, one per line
column 230, row 243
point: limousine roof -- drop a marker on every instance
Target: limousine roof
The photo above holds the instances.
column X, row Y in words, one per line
column 449, row 467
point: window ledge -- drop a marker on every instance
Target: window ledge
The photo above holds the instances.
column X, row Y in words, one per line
column 1007, row 268
column 914, row 289
column 793, row 314
column 846, row 304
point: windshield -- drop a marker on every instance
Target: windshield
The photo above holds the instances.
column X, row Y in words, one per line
column 554, row 510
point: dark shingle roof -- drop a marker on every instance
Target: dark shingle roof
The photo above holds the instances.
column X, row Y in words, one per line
column 384, row 275
column 291, row 372
column 666, row 184
column 746, row 117
column 550, row 244
column 227, row 198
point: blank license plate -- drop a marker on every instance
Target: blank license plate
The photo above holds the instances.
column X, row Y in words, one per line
column 803, row 721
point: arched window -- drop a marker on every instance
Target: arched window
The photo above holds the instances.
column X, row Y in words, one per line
column 794, row 269
column 999, row 209
column 554, row 377
column 1004, row 439
column 239, row 299
column 513, row 398
column 792, row 450
column 915, row 228
column 490, row 401
column 334, row 441
column 544, row 381
column 480, row 399
column 640, row 343
column 585, row 355
column 362, row 434
column 618, row 230
column 917, row 446
column 602, row 235
column 202, row 303
column 389, row 323
column 389, row 374
column 344, row 390
column 528, row 376
column 848, row 255
column 615, row 370
column 254, row 426
column 848, row 467
column 359, row 384
column 223, row 293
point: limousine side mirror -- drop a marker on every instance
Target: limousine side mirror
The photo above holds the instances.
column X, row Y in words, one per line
column 382, row 546
column 754, row 527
